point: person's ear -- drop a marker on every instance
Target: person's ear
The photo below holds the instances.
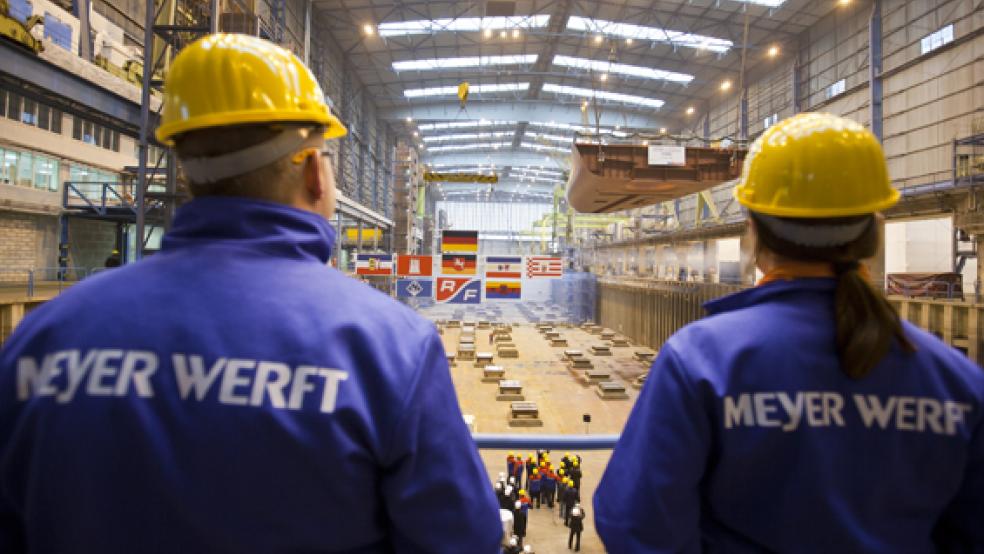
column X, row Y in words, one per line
column 314, row 182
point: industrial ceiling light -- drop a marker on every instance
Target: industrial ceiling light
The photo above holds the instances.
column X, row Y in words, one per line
column 662, row 130
column 416, row 134
column 454, row 63
column 726, row 85
column 603, row 77
column 515, row 33
column 461, row 24
column 773, row 51
column 628, row 41
column 598, row 39
column 503, row 34
column 690, row 110
column 623, row 69
column 628, row 30
column 409, row 120
column 453, row 90
column 368, row 30
column 604, row 95
column 487, row 33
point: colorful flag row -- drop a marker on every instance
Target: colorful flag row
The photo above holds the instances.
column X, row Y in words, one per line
column 496, row 267
column 459, row 290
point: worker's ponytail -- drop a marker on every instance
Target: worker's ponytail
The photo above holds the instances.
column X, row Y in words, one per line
column 866, row 324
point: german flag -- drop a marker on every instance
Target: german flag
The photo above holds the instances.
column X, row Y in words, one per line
column 459, row 241
column 459, row 264
column 503, row 290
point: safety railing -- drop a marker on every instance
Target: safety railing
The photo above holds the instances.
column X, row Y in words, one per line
column 39, row 280
column 490, row 441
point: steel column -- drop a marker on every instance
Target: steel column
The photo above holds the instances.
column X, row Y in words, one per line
column 83, row 11
column 143, row 151
column 875, row 67
column 795, row 82
column 307, row 33
column 743, row 106
column 213, row 11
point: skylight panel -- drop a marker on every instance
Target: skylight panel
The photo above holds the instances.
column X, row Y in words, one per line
column 461, row 24
column 604, row 95
column 472, row 146
column 453, row 90
column 544, row 148
column 457, row 63
column 639, row 32
column 546, row 136
column 623, row 69
column 465, row 124
column 469, row 136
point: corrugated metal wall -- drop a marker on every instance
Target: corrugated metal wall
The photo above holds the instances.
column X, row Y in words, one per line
column 363, row 159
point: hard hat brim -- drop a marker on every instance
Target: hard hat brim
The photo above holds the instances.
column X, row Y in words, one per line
column 166, row 133
column 816, row 213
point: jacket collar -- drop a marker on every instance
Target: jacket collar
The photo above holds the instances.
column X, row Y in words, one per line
column 767, row 292
column 274, row 229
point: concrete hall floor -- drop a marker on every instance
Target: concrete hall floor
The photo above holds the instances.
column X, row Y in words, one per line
column 561, row 401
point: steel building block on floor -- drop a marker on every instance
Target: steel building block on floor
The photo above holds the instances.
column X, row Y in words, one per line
column 510, row 389
column 508, row 353
column 493, row 374
column 524, row 414
column 601, row 350
column 611, row 390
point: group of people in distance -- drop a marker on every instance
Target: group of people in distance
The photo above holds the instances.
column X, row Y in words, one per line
column 545, row 484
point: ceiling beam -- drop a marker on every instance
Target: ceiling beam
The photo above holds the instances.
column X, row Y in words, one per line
column 541, row 110
column 501, row 158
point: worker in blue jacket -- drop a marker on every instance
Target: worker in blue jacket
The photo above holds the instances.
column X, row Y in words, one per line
column 802, row 415
column 232, row 393
column 548, row 487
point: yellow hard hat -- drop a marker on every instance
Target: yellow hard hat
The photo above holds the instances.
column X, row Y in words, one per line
column 233, row 79
column 816, row 165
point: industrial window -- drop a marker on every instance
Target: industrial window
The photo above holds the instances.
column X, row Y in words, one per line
column 45, row 173
column 88, row 134
column 29, row 114
column 3, row 103
column 44, row 117
column 937, row 39
column 14, row 107
column 76, row 128
column 8, row 166
column 107, row 139
column 771, row 120
column 25, row 169
column 56, row 121
column 837, row 88
column 116, row 141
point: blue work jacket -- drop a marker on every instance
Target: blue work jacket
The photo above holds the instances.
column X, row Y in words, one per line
column 748, row 437
column 233, row 393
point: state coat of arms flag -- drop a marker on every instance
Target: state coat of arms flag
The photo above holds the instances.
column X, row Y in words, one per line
column 544, row 267
column 459, row 241
column 459, row 264
column 503, row 290
column 503, row 267
column 414, row 288
column 374, row 264
column 414, row 266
